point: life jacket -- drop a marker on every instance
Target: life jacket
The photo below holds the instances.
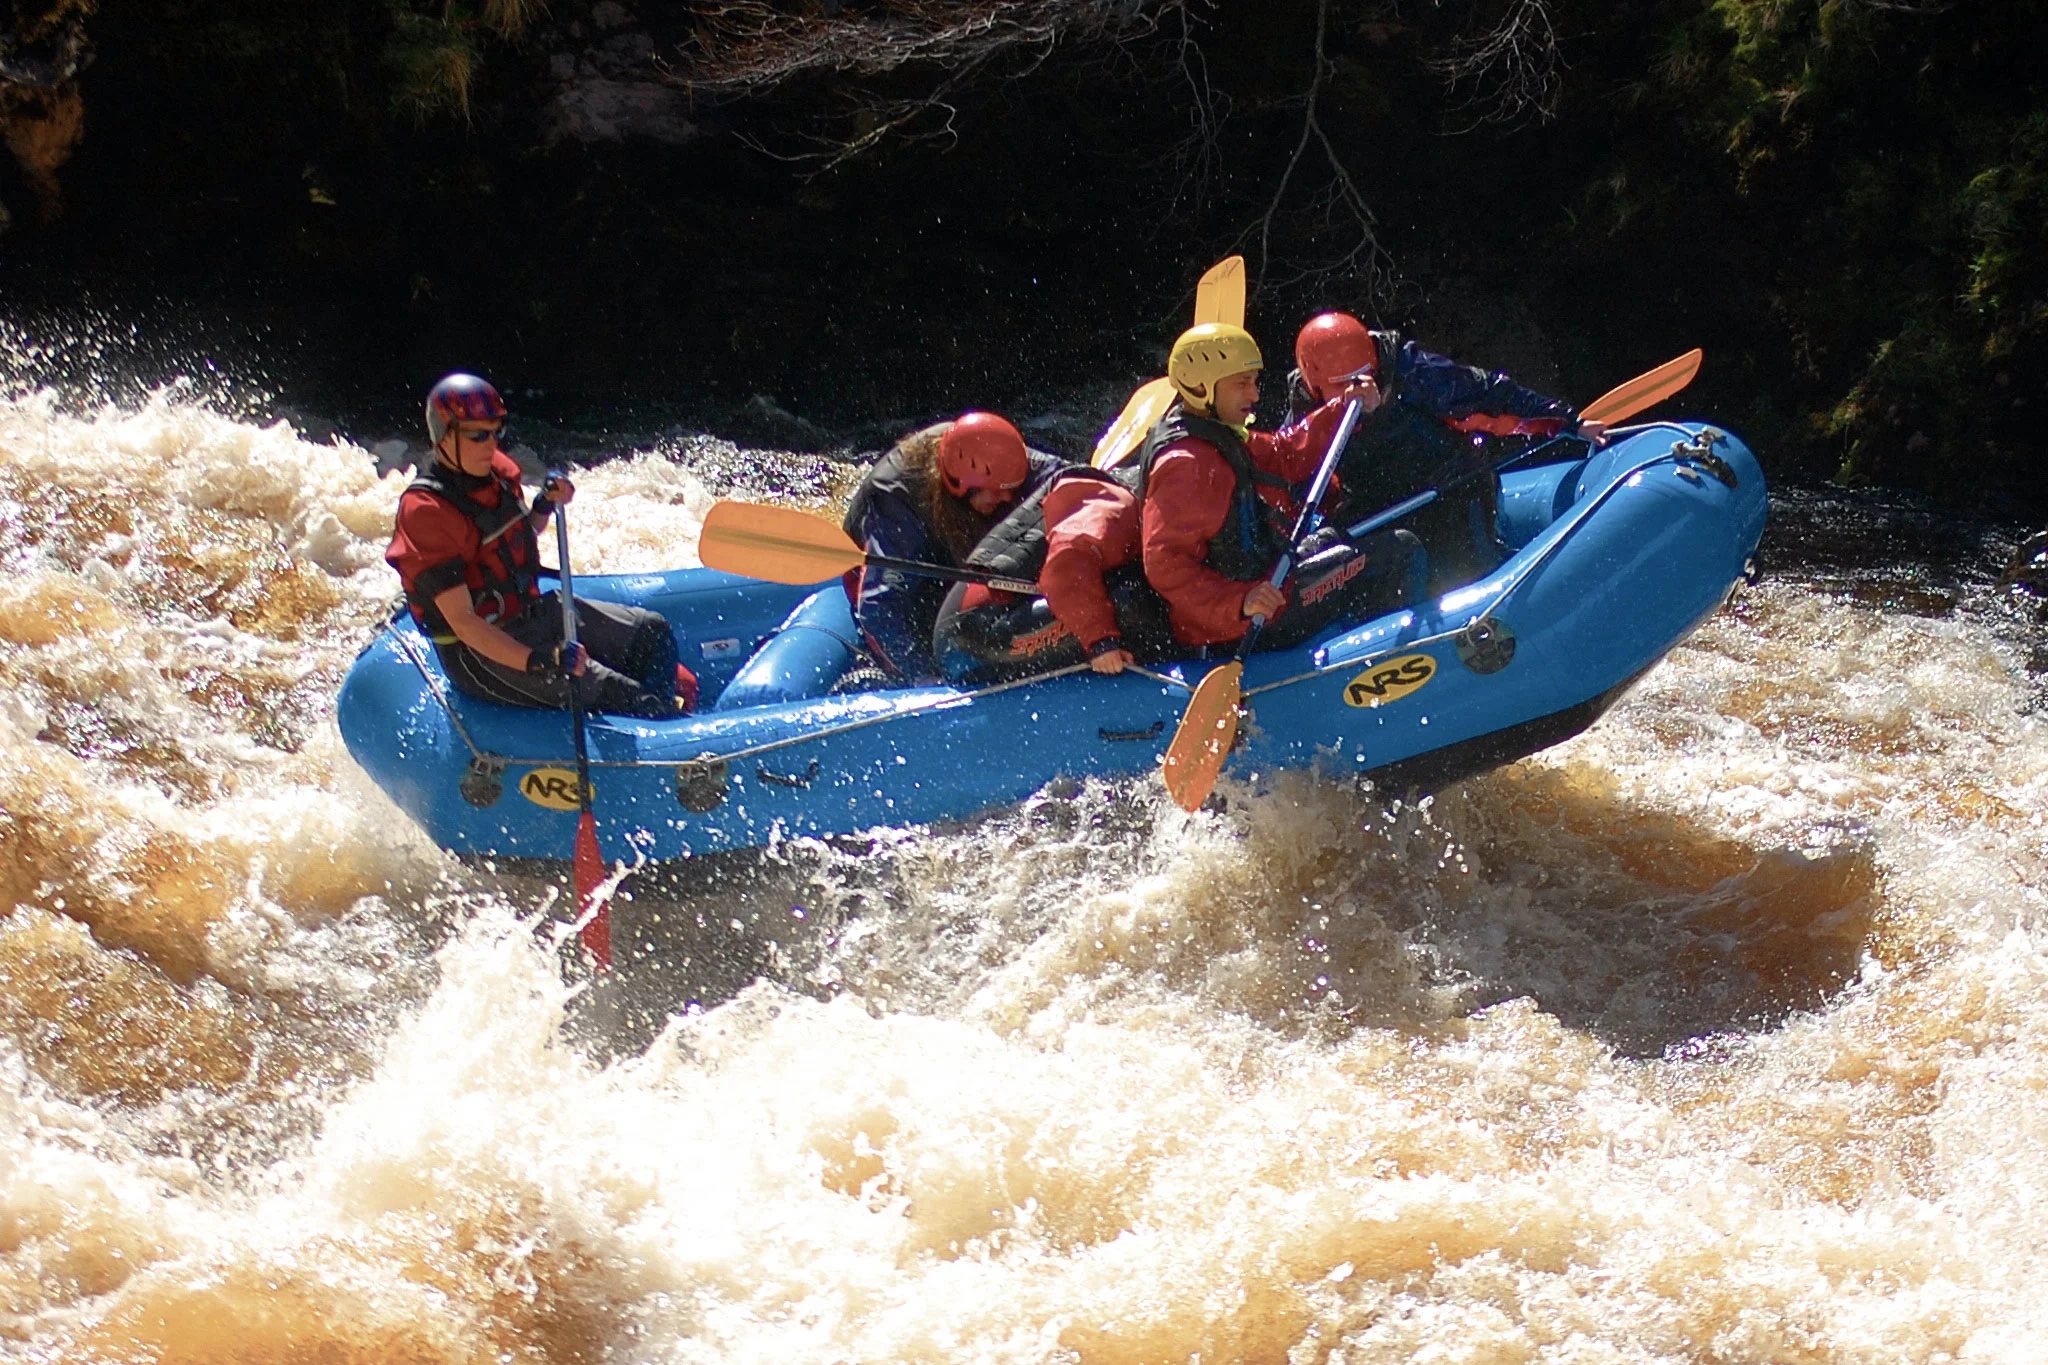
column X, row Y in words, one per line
column 1254, row 534
column 503, row 575
column 1016, row 547
column 1399, row 449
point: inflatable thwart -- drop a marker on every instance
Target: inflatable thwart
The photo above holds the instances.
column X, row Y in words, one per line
column 1618, row 554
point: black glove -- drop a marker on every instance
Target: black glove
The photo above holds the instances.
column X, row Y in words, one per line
column 558, row 661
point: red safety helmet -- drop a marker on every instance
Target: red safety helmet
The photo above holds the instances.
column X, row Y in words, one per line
column 981, row 450
column 461, row 398
column 1332, row 347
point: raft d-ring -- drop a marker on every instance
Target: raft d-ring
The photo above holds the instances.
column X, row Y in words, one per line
column 700, row 786
column 1486, row 646
column 484, row 781
column 1699, row 452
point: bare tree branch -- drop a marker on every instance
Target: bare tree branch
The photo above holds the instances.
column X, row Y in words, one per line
column 1337, row 207
column 1197, row 156
column 746, row 47
column 1513, row 71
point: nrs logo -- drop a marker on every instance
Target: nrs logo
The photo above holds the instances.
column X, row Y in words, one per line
column 554, row 788
column 1389, row 681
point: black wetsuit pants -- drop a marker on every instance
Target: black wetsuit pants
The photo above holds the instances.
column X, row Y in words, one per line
column 1384, row 572
column 632, row 670
column 1013, row 637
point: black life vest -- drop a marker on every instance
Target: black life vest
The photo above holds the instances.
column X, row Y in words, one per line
column 503, row 577
column 1398, row 450
column 1016, row 547
column 889, row 475
column 1255, row 533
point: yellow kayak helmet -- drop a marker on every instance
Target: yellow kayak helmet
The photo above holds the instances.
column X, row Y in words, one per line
column 1206, row 353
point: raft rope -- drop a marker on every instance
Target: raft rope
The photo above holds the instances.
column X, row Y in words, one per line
column 737, row 755
column 1674, row 456
column 427, row 675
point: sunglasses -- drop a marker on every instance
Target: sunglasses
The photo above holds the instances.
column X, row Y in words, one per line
column 484, row 437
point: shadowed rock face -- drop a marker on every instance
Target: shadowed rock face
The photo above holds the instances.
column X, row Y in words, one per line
column 41, row 113
column 609, row 89
column 595, row 109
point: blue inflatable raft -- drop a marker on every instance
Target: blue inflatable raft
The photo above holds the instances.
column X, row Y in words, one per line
column 1618, row 556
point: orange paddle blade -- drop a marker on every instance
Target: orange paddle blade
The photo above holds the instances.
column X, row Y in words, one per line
column 1626, row 400
column 1219, row 296
column 1195, row 757
column 589, row 865
column 1127, row 432
column 776, row 544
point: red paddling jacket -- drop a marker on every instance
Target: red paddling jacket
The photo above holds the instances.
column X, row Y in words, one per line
column 458, row 528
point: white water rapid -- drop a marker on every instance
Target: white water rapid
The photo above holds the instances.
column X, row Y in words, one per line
column 1719, row 1034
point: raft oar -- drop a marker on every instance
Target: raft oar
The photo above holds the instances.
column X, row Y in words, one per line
column 595, row 915
column 1209, row 726
column 1219, row 297
column 1624, row 401
column 783, row 545
column 1146, row 406
column 1219, row 294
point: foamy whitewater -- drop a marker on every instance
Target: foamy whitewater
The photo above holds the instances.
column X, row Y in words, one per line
column 1715, row 1035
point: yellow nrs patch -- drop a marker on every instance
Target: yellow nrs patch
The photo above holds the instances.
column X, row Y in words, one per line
column 554, row 788
column 1390, row 681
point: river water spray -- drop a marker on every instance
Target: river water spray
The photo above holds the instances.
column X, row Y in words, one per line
column 1714, row 1035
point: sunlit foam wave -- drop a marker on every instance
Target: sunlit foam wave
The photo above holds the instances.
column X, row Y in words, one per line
column 1821, row 918
column 211, row 914
column 783, row 1178
column 633, row 515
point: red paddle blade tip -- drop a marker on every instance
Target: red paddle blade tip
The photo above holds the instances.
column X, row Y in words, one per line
column 590, row 871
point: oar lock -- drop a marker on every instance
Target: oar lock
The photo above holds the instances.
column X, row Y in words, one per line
column 1698, row 453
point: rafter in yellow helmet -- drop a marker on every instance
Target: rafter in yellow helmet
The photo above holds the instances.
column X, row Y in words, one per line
column 1206, row 353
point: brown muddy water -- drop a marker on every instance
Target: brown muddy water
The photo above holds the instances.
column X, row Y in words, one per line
column 1715, row 1035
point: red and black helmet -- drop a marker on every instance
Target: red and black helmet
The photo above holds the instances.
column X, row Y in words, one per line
column 461, row 398
column 982, row 450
